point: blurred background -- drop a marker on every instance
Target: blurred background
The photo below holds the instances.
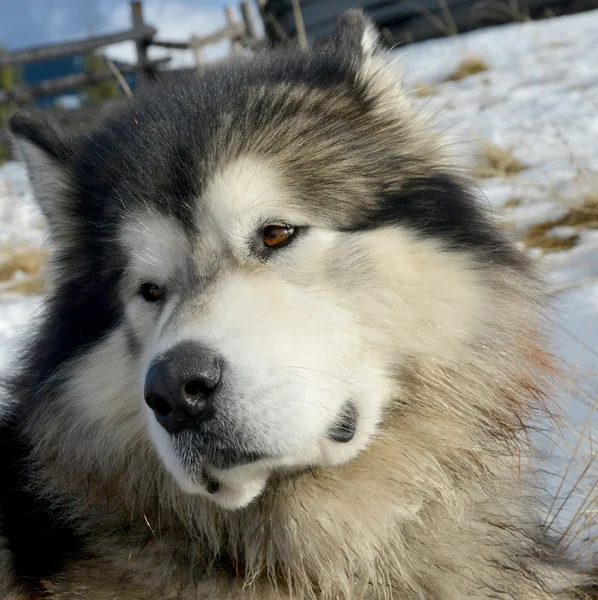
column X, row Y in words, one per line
column 512, row 83
column 65, row 54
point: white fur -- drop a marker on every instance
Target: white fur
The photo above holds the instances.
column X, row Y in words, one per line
column 288, row 390
column 156, row 244
column 370, row 40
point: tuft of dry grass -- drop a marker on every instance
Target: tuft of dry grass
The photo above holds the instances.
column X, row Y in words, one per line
column 29, row 286
column 467, row 67
column 539, row 237
column 30, row 261
column 584, row 214
column 27, row 261
column 424, row 89
column 513, row 203
column 495, row 161
column 581, row 216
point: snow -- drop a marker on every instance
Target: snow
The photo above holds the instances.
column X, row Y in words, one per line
column 21, row 226
column 15, row 315
column 21, row 223
column 539, row 99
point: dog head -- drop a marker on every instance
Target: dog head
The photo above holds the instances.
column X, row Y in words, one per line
column 246, row 260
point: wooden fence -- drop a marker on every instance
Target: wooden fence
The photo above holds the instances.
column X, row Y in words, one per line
column 242, row 34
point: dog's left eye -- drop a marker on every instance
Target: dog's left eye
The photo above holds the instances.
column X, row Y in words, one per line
column 276, row 236
column 152, row 292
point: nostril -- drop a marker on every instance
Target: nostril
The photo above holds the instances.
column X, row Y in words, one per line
column 198, row 388
column 158, row 404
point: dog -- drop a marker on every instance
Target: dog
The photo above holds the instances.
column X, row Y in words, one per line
column 285, row 353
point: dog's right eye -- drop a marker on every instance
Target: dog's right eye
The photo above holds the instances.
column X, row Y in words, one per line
column 276, row 236
column 152, row 292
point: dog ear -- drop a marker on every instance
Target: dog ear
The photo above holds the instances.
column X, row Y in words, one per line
column 356, row 34
column 47, row 152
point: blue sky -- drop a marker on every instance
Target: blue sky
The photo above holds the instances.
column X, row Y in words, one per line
column 26, row 23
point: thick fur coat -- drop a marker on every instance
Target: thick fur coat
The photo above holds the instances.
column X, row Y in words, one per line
column 394, row 313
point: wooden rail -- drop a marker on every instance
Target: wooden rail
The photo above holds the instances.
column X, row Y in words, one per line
column 232, row 32
column 73, row 48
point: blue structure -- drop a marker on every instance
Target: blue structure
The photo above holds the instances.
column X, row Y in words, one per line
column 59, row 67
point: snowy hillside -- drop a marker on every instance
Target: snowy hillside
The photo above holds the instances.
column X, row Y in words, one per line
column 530, row 112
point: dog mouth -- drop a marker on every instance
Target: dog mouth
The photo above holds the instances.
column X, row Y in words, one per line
column 231, row 458
column 204, row 453
column 198, row 449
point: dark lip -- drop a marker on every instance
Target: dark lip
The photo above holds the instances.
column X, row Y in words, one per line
column 215, row 451
column 344, row 428
column 228, row 459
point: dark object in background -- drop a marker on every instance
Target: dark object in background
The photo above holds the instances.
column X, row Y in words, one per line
column 405, row 21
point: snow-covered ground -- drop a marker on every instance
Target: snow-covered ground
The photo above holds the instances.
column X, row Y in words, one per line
column 21, row 227
column 539, row 99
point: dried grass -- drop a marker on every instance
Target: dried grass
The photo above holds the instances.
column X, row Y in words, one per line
column 584, row 214
column 581, row 216
column 21, row 270
column 28, row 286
column 539, row 237
column 495, row 161
column 471, row 65
column 513, row 203
column 424, row 90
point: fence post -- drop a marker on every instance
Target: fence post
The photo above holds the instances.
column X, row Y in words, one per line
column 197, row 53
column 274, row 31
column 299, row 25
column 141, row 44
column 232, row 19
column 249, row 19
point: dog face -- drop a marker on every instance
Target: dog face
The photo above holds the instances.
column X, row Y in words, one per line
column 251, row 355
column 248, row 261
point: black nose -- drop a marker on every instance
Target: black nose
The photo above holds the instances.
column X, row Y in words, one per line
column 180, row 387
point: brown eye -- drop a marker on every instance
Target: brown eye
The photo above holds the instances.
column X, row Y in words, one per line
column 278, row 235
column 152, row 292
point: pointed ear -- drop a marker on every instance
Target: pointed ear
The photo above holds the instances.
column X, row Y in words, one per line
column 356, row 34
column 47, row 153
column 358, row 40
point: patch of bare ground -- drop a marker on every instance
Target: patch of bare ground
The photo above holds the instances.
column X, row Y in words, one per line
column 21, row 270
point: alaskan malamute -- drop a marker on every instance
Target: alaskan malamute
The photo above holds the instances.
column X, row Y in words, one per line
column 284, row 353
